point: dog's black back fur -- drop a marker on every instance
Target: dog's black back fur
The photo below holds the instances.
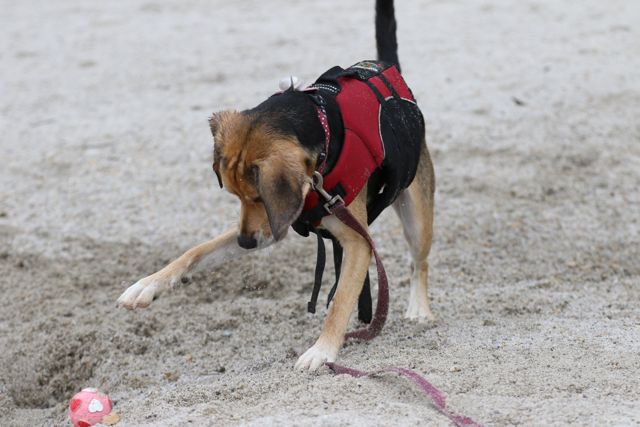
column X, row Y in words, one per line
column 294, row 113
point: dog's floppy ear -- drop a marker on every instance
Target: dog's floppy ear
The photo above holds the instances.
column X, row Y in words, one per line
column 280, row 181
column 216, row 164
column 214, row 124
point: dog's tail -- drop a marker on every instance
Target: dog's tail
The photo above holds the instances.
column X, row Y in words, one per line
column 386, row 32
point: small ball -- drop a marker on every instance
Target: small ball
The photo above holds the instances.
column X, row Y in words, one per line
column 88, row 407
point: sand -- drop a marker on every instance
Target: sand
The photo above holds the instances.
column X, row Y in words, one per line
column 532, row 111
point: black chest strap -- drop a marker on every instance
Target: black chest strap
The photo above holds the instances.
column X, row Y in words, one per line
column 365, row 304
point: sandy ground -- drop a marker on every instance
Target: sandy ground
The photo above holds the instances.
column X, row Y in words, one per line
column 532, row 111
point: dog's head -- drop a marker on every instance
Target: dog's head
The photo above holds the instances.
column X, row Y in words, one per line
column 265, row 169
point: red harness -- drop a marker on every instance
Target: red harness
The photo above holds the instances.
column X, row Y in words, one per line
column 362, row 150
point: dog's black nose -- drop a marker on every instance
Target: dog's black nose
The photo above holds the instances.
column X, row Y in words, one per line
column 247, row 242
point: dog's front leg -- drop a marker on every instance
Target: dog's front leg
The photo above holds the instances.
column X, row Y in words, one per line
column 216, row 251
column 357, row 256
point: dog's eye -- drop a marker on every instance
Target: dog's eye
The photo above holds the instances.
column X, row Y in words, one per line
column 254, row 170
column 257, row 199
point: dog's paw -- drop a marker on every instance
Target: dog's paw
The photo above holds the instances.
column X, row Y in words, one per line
column 316, row 356
column 419, row 312
column 141, row 293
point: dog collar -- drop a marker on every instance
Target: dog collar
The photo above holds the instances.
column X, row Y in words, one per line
column 324, row 121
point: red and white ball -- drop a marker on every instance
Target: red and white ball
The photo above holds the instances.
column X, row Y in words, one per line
column 88, row 407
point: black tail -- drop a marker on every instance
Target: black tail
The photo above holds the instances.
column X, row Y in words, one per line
column 386, row 32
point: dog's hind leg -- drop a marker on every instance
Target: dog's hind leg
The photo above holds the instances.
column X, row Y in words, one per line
column 414, row 206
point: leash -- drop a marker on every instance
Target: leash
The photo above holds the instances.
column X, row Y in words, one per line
column 335, row 206
column 437, row 397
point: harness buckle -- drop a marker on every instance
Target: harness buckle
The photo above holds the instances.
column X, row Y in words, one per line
column 337, row 199
column 330, row 201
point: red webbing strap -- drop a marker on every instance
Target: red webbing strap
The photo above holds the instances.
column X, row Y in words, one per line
column 437, row 397
column 382, row 306
column 322, row 116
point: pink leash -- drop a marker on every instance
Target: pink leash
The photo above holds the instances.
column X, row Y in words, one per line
column 336, row 206
column 382, row 306
column 437, row 397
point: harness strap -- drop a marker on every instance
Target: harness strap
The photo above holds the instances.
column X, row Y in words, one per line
column 337, row 262
column 321, row 256
column 375, row 91
column 324, row 121
column 321, row 259
column 389, row 86
column 364, row 302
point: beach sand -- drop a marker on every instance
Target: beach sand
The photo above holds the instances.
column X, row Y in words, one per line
column 532, row 113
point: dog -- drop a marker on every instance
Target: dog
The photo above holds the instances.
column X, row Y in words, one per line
column 268, row 157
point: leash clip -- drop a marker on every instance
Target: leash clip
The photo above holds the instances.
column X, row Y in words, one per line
column 331, row 201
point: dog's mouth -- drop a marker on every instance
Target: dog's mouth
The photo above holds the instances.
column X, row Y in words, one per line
column 264, row 241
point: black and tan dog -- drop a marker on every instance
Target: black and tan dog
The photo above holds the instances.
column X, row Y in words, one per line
column 267, row 157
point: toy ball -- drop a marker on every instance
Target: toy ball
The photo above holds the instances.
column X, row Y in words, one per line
column 88, row 407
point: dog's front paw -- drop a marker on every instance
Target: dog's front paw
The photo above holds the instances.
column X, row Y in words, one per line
column 316, row 356
column 141, row 293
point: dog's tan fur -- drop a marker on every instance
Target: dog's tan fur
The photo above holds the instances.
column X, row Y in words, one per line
column 270, row 173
